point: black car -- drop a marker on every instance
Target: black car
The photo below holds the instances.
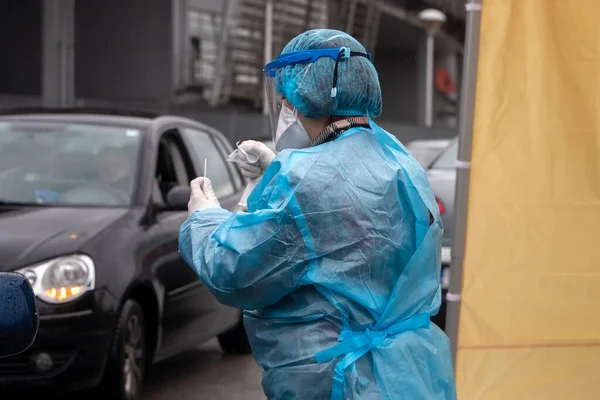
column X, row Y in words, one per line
column 89, row 214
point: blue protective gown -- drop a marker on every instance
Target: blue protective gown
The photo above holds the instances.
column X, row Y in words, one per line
column 340, row 266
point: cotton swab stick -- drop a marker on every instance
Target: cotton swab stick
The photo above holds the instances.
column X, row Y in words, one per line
column 205, row 162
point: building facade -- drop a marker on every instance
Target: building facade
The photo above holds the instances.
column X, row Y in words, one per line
column 204, row 57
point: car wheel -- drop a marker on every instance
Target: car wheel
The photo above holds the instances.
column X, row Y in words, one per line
column 125, row 369
column 235, row 340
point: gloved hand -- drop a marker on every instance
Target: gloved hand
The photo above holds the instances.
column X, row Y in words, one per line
column 202, row 195
column 260, row 152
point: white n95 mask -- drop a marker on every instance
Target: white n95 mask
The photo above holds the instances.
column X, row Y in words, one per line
column 290, row 132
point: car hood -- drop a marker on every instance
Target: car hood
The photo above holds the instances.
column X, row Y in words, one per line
column 33, row 234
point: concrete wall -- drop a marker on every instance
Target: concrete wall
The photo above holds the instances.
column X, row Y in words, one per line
column 21, row 47
column 399, row 86
column 123, row 51
column 396, row 61
column 400, row 58
column 124, row 57
column 212, row 5
column 403, row 88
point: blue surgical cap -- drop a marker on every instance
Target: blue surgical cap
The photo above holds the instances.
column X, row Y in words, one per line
column 308, row 86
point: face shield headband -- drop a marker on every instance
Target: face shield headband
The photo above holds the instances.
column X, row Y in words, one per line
column 301, row 57
column 310, row 56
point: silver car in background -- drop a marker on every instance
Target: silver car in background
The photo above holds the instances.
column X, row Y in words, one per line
column 442, row 178
column 427, row 150
column 438, row 158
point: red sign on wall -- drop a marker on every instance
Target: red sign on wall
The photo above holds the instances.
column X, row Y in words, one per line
column 444, row 82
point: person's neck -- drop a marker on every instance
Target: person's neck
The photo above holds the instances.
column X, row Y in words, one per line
column 314, row 126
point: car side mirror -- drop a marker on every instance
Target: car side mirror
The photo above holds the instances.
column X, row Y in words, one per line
column 18, row 314
column 178, row 197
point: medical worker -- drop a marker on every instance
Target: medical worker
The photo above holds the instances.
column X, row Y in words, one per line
column 337, row 260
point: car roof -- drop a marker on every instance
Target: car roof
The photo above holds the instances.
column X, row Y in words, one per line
column 93, row 115
column 80, row 110
column 99, row 115
column 146, row 121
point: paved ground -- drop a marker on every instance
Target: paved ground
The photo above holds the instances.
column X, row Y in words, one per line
column 205, row 374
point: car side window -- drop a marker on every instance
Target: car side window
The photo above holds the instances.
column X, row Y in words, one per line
column 447, row 159
column 226, row 149
column 203, row 148
column 171, row 170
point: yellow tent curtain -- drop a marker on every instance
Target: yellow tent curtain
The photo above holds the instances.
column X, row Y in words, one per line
column 529, row 323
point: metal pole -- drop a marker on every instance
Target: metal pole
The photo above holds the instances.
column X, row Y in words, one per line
column 369, row 21
column 375, row 31
column 221, row 70
column 465, row 139
column 54, row 78
column 430, row 53
column 309, row 9
column 351, row 16
column 452, row 67
column 268, row 46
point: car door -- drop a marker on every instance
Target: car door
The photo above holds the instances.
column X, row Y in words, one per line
column 207, row 145
column 191, row 314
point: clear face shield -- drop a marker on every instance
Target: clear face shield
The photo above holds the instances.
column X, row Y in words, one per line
column 274, row 103
column 275, row 100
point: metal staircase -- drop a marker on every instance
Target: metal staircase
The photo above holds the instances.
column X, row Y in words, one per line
column 238, row 74
column 359, row 18
column 204, row 27
column 228, row 68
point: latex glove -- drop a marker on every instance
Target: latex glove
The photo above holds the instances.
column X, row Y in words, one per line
column 257, row 158
column 202, row 195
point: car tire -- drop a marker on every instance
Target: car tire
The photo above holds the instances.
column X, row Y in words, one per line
column 235, row 340
column 124, row 375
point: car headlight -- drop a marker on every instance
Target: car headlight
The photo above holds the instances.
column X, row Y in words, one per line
column 61, row 279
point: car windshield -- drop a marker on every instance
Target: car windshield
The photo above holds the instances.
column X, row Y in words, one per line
column 447, row 159
column 65, row 164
